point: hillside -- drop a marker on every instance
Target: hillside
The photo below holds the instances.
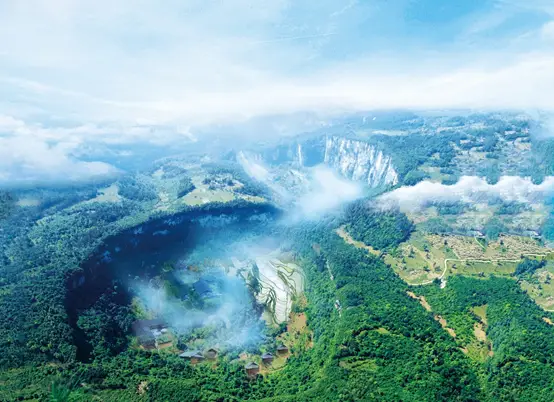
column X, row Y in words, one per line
column 406, row 257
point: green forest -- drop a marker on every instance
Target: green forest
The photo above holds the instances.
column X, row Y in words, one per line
column 68, row 316
column 377, row 343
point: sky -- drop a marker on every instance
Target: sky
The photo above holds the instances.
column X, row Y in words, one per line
column 73, row 71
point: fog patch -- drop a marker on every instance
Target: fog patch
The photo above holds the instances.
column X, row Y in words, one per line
column 252, row 168
column 210, row 299
column 27, row 159
column 326, row 194
column 307, row 194
column 469, row 189
column 267, row 265
column 256, row 170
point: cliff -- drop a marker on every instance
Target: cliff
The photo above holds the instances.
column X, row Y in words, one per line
column 359, row 161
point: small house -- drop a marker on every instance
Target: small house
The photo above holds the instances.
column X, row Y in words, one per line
column 211, row 354
column 142, row 326
column 252, row 369
column 194, row 356
column 147, row 330
column 147, row 341
column 282, row 350
column 267, row 358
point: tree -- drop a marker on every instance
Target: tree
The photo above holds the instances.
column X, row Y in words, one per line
column 415, row 176
column 7, row 204
column 527, row 267
column 493, row 228
column 185, row 186
column 379, row 229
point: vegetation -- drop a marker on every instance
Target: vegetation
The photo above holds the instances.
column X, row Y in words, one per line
column 410, row 152
column 548, row 228
column 436, row 226
column 494, row 228
column 185, row 186
column 249, row 185
column 7, row 202
column 378, row 229
column 528, row 267
column 521, row 366
column 136, row 188
column 470, row 332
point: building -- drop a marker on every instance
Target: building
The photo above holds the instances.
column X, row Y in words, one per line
column 148, row 325
column 147, row 330
column 211, row 354
column 195, row 356
column 282, row 350
column 252, row 369
column 267, row 358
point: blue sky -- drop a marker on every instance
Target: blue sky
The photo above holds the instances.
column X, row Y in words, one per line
column 73, row 71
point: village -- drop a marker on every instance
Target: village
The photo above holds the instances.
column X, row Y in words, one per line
column 280, row 285
column 156, row 335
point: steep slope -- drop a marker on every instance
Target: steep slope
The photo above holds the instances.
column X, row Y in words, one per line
column 360, row 161
column 353, row 159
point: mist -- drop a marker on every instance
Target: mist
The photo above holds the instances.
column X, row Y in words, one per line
column 469, row 189
column 326, row 194
column 227, row 309
column 317, row 191
column 291, row 59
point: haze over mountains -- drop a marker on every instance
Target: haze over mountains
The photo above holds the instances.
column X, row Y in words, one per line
column 277, row 200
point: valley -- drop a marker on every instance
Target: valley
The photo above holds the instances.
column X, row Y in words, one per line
column 404, row 259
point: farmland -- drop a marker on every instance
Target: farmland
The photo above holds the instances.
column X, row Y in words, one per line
column 425, row 258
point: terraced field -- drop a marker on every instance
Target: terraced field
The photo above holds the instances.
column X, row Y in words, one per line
column 425, row 258
column 281, row 282
column 540, row 287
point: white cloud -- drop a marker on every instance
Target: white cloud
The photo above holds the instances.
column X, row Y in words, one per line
column 32, row 152
column 468, row 189
column 129, row 71
column 199, row 62
column 547, row 31
column 327, row 193
column 24, row 159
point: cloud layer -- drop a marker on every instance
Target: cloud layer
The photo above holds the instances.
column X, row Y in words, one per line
column 327, row 194
column 469, row 189
column 111, row 71
column 24, row 160
column 207, row 61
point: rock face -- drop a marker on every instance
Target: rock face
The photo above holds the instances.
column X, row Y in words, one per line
column 353, row 159
column 305, row 153
column 359, row 161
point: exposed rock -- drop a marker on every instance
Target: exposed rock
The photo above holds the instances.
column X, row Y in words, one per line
column 359, row 161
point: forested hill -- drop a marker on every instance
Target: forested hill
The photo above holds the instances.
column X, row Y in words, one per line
column 377, row 343
column 42, row 250
column 450, row 301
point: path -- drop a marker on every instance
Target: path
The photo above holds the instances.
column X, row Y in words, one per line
column 348, row 239
column 480, row 245
column 460, row 260
column 358, row 244
column 439, row 277
column 474, row 260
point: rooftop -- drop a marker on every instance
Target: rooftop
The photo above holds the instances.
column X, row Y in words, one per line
column 191, row 354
